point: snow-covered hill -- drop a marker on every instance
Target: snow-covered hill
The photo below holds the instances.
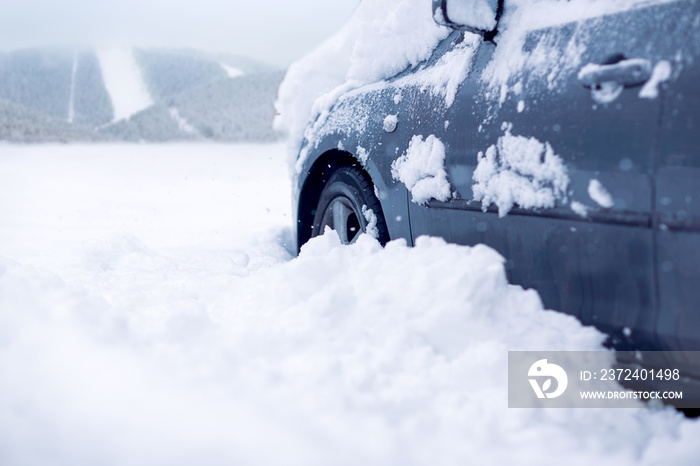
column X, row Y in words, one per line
column 135, row 94
column 227, row 109
column 18, row 123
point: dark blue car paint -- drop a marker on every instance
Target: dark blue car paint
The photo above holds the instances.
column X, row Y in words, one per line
column 631, row 270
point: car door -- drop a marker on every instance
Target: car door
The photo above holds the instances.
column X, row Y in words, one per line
column 550, row 132
column 677, row 223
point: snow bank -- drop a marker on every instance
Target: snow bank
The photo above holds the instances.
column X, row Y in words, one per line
column 381, row 39
column 351, row 355
column 519, row 171
column 422, row 170
column 150, row 314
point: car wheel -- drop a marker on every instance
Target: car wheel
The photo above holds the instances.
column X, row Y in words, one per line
column 344, row 206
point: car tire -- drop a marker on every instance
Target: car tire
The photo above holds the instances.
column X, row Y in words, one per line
column 341, row 204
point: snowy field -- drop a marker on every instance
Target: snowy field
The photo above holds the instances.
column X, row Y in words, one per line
column 152, row 312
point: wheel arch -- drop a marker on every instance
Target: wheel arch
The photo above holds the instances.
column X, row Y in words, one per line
column 317, row 176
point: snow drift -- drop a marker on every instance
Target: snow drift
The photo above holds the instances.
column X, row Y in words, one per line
column 161, row 320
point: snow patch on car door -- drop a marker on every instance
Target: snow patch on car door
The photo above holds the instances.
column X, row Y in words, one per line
column 519, row 171
column 422, row 170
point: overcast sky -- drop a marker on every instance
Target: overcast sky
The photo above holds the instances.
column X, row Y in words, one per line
column 276, row 31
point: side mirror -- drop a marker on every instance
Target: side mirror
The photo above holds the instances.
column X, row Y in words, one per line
column 477, row 16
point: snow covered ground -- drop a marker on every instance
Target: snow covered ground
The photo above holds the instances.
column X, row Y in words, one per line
column 151, row 312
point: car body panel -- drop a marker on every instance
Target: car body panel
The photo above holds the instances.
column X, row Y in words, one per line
column 356, row 119
column 598, row 268
column 677, row 220
column 603, row 264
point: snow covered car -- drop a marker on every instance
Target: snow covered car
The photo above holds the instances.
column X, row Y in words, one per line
column 562, row 134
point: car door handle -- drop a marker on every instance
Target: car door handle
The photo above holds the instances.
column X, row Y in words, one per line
column 628, row 73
